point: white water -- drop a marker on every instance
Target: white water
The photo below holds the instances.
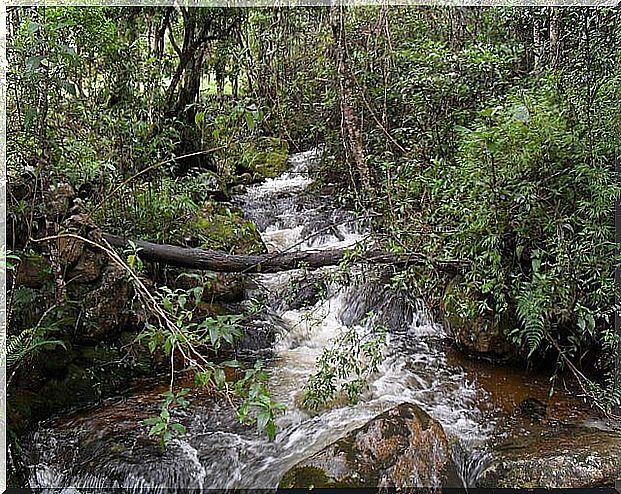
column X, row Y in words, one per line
column 219, row 455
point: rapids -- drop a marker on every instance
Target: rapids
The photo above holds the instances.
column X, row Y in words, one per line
column 106, row 448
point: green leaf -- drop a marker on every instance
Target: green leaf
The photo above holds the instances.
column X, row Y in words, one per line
column 202, row 378
column 33, row 63
column 581, row 323
column 249, row 120
column 33, row 27
column 178, row 428
column 199, row 117
column 262, row 419
column 242, row 413
column 214, row 335
column 69, row 87
column 270, row 428
column 157, row 428
column 168, row 344
column 219, row 377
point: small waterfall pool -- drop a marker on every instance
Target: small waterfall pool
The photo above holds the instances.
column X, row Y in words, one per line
column 107, row 448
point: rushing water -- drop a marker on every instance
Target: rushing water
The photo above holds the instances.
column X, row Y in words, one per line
column 106, row 448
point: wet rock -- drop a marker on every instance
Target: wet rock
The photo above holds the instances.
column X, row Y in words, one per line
column 238, row 189
column 402, row 447
column 476, row 336
column 107, row 447
column 481, row 337
column 227, row 287
column 244, row 179
column 565, row 457
column 394, row 310
column 304, row 291
column 219, row 287
column 105, row 311
column 531, row 409
column 258, row 338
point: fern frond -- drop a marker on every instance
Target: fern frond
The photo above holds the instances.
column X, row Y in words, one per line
column 531, row 311
column 27, row 343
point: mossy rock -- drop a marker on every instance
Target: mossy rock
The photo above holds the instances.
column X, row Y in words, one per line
column 99, row 354
column 28, row 305
column 225, row 229
column 477, row 335
column 402, row 447
column 267, row 157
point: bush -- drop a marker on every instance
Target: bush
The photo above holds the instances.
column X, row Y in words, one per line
column 529, row 203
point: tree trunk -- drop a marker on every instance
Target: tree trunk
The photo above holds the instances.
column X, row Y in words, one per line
column 272, row 263
column 537, row 45
column 555, row 26
column 353, row 138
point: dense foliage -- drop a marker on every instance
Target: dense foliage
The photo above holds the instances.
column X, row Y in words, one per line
column 491, row 135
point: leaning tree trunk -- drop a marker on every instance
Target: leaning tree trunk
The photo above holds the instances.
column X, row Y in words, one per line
column 271, row 263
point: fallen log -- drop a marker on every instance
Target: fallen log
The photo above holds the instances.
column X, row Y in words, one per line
column 272, row 263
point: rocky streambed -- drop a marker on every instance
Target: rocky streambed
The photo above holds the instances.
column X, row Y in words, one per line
column 428, row 417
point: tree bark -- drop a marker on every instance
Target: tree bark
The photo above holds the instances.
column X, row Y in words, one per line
column 353, row 138
column 272, row 263
column 554, row 36
column 537, row 44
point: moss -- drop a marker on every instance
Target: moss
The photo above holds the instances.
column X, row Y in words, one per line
column 225, row 229
column 100, row 354
column 266, row 157
column 29, row 305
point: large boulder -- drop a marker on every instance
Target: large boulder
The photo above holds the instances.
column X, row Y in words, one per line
column 402, row 447
column 562, row 457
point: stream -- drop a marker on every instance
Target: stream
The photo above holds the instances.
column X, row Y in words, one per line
column 105, row 447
